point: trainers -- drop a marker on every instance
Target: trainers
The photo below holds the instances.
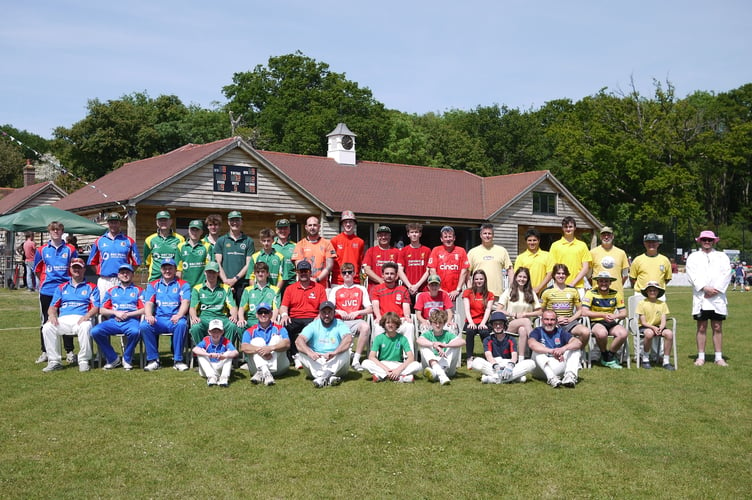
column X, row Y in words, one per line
column 319, row 382
column 611, row 364
column 646, row 365
column 469, row 363
column 489, row 379
column 180, row 366
column 406, row 379
column 699, row 362
column 223, row 382
column 114, row 364
column 42, row 358
column 357, row 366
column 211, row 381
column 554, row 382
column 334, row 380
column 257, row 377
column 127, row 366
column 429, row 375
column 444, row 380
column 71, row 358
column 376, row 378
column 151, row 366
column 298, row 364
column 52, row 366
column 522, row 379
column 669, row 367
column 83, row 366
column 268, row 379
column 721, row 362
column 569, row 380
column 244, row 366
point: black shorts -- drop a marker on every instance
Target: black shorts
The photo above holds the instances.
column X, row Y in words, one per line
column 706, row 314
column 607, row 324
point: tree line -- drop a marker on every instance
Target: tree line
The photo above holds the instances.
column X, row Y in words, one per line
column 655, row 163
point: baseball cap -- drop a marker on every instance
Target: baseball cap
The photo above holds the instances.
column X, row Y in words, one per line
column 212, row 266
column 234, row 215
column 113, row 216
column 168, row 262
column 326, row 304
column 216, row 324
column 125, row 266
column 164, row 214
column 434, row 278
column 384, row 229
column 283, row 223
column 77, row 262
column 196, row 223
column 303, row 265
column 347, row 215
column 651, row 237
column 607, row 229
column 264, row 306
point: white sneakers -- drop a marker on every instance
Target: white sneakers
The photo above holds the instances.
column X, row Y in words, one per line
column 52, row 366
column 437, row 373
column 180, row 366
column 151, row 366
column 490, row 379
column 42, row 358
column 569, row 380
column 114, row 364
column 83, row 366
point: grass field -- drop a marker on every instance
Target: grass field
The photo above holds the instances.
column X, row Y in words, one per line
column 628, row 433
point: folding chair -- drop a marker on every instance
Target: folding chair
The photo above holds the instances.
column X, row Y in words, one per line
column 657, row 345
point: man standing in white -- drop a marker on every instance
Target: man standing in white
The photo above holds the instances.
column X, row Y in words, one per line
column 709, row 273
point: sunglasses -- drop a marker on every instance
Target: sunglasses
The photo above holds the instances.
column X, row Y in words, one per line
column 347, row 272
column 707, row 240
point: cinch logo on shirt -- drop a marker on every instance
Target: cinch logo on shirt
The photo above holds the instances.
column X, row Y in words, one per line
column 449, row 267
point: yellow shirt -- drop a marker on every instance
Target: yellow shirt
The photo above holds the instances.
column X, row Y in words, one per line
column 491, row 261
column 613, row 261
column 645, row 268
column 572, row 253
column 539, row 264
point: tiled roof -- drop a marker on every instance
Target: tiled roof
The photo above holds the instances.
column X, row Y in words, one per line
column 385, row 188
column 366, row 188
column 138, row 177
column 17, row 197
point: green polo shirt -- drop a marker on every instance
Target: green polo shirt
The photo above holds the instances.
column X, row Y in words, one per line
column 276, row 262
column 212, row 303
column 191, row 261
column 255, row 295
column 158, row 248
column 234, row 252
column 287, row 274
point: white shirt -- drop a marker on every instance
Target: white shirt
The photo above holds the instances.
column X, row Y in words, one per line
column 709, row 269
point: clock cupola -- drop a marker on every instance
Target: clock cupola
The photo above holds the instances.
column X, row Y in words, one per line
column 341, row 143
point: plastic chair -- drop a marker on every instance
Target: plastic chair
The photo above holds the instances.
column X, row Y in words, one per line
column 623, row 350
column 657, row 347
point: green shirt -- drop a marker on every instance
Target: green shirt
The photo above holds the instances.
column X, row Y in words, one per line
column 390, row 348
column 287, row 274
column 234, row 252
column 444, row 338
column 191, row 261
column 255, row 295
column 158, row 248
column 212, row 303
column 276, row 262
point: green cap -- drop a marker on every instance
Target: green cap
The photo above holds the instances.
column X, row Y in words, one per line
column 234, row 215
column 164, row 214
column 212, row 266
column 113, row 216
column 196, row 223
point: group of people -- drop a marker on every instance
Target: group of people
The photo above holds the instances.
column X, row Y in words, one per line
column 303, row 303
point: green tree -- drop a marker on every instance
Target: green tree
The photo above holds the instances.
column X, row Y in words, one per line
column 11, row 164
column 132, row 128
column 293, row 102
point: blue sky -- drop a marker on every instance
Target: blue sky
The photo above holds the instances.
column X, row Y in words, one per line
column 415, row 56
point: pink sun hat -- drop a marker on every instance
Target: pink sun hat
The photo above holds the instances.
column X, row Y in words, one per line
column 707, row 234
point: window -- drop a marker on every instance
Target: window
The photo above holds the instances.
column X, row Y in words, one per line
column 234, row 179
column 544, row 203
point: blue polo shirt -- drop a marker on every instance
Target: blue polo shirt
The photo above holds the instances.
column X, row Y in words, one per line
column 120, row 298
column 503, row 348
column 559, row 337
column 223, row 346
column 257, row 332
column 71, row 298
column 167, row 296
column 108, row 254
column 52, row 265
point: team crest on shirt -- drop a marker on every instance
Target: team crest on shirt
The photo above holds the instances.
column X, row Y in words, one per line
column 242, row 246
column 83, row 292
column 663, row 268
column 312, row 295
column 557, row 341
column 399, row 297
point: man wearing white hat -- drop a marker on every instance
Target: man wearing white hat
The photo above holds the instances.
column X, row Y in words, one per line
column 709, row 273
